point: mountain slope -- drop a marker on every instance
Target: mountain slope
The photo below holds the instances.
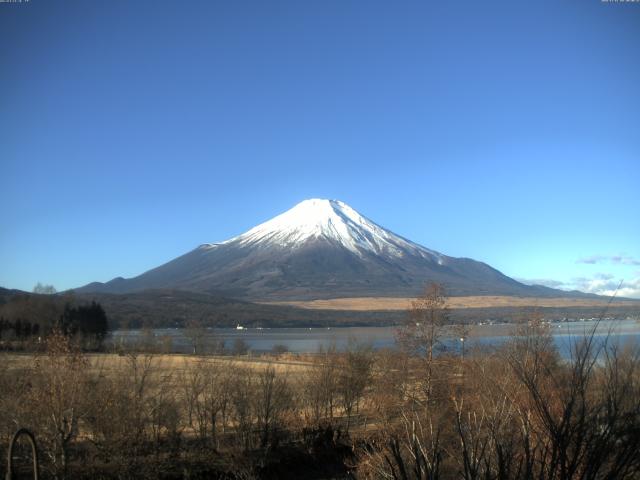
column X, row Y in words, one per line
column 320, row 249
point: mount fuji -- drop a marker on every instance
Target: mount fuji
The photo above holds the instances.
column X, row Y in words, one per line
column 320, row 249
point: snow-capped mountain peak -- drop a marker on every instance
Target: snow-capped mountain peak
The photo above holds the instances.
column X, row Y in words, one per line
column 334, row 221
column 318, row 249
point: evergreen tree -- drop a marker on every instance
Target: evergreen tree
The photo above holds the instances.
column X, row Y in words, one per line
column 87, row 320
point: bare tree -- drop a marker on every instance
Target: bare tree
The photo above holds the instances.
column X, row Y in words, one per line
column 354, row 377
column 58, row 388
column 216, row 395
column 412, row 451
column 273, row 398
column 240, row 347
column 44, row 289
column 583, row 416
column 195, row 332
column 241, row 399
column 423, row 331
column 192, row 383
column 122, row 411
column 320, row 386
column 390, row 387
column 206, row 396
column 163, row 416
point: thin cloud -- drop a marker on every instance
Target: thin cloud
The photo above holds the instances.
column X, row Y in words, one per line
column 604, row 276
column 593, row 259
column 619, row 259
column 613, row 259
column 545, row 282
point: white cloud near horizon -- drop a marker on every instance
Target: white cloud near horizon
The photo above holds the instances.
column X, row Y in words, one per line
column 622, row 282
column 599, row 283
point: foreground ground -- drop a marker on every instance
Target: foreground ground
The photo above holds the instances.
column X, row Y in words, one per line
column 514, row 412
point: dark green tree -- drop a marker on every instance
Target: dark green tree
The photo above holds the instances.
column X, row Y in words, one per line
column 89, row 321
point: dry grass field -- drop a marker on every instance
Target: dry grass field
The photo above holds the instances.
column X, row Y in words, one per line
column 106, row 363
column 402, row 303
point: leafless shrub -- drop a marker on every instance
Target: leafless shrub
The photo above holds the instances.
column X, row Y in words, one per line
column 56, row 398
column 354, row 376
column 272, row 400
column 240, row 347
column 320, row 387
column 279, row 349
column 413, row 450
column 195, row 332
column 206, row 390
column 390, row 386
column 242, row 389
column 121, row 418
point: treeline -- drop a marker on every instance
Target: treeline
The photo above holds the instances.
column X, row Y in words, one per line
column 174, row 309
column 18, row 329
column 25, row 318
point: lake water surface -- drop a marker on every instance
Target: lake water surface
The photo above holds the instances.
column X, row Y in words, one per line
column 311, row 340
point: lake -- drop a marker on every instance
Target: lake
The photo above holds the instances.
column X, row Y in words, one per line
column 311, row 340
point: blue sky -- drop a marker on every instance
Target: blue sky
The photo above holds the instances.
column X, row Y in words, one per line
column 508, row 132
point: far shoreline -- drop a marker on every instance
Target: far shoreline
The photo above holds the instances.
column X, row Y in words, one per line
column 480, row 329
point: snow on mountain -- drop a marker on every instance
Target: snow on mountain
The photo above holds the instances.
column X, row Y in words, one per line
column 334, row 221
